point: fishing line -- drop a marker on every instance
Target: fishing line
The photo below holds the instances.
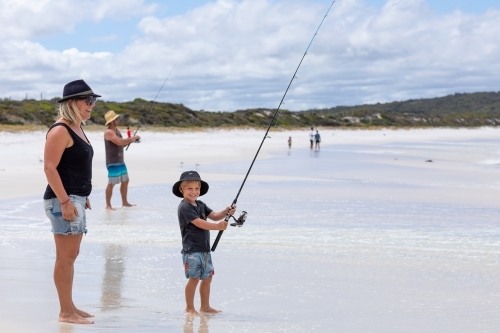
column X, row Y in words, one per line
column 153, row 101
column 242, row 218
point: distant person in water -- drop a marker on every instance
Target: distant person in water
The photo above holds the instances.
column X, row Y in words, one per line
column 289, row 142
column 129, row 132
column 317, row 138
column 311, row 137
column 115, row 163
column 193, row 214
column 68, row 167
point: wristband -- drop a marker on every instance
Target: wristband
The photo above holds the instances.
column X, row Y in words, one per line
column 65, row 202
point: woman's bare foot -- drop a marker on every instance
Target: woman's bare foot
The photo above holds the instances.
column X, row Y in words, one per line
column 83, row 314
column 74, row 318
column 191, row 312
column 210, row 310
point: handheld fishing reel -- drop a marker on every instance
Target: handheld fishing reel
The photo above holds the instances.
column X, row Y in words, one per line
column 240, row 220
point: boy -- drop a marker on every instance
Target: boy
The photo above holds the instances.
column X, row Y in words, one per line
column 317, row 137
column 195, row 233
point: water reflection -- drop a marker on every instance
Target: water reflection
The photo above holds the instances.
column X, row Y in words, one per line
column 65, row 328
column 114, row 270
column 114, row 267
column 203, row 328
column 314, row 153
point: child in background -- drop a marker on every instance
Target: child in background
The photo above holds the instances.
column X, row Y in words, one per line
column 289, row 142
column 129, row 132
column 317, row 137
column 193, row 214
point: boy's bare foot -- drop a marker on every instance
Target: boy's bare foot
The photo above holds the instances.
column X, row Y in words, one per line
column 128, row 205
column 210, row 310
column 83, row 314
column 74, row 318
column 109, row 208
column 191, row 312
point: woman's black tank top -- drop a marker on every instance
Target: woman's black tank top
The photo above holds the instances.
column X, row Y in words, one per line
column 75, row 167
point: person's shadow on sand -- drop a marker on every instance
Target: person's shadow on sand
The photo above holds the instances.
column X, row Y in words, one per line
column 189, row 324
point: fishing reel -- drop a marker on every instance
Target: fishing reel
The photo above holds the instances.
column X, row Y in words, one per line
column 240, row 220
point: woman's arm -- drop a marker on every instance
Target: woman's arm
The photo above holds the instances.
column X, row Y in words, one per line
column 58, row 139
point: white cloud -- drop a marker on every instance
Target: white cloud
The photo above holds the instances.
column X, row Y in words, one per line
column 235, row 55
column 35, row 18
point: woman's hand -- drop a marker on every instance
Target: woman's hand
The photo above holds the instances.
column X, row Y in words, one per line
column 69, row 211
column 87, row 204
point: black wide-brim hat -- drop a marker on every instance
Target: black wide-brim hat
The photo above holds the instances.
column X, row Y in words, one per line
column 189, row 175
column 76, row 89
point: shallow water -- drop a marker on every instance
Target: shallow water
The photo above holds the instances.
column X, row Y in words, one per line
column 357, row 239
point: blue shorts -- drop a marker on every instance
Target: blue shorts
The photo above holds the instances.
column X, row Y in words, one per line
column 198, row 265
column 117, row 173
column 59, row 225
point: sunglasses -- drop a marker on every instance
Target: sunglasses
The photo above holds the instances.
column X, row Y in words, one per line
column 88, row 100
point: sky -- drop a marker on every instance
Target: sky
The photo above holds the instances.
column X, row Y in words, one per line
column 228, row 55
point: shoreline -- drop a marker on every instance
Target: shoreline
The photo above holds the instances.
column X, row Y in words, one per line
column 161, row 156
column 146, row 128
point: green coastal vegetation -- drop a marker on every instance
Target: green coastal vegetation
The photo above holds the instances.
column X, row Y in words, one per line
column 458, row 110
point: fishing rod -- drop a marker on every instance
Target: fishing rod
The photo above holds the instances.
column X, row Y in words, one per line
column 239, row 222
column 152, row 103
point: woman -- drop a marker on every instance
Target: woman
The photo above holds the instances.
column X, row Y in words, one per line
column 68, row 168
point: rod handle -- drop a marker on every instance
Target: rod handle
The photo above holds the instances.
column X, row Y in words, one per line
column 219, row 235
column 134, row 135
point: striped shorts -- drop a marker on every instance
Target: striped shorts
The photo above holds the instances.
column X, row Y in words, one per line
column 117, row 173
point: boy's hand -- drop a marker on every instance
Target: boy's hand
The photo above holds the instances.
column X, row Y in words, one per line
column 231, row 210
column 222, row 225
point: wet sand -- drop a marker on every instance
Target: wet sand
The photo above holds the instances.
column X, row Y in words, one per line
column 369, row 237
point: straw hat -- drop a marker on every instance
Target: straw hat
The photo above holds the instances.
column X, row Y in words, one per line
column 110, row 116
column 76, row 89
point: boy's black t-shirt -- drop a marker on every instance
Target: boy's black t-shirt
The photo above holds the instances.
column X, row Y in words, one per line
column 194, row 239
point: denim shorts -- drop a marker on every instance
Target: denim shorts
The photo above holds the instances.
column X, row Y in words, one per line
column 198, row 265
column 59, row 225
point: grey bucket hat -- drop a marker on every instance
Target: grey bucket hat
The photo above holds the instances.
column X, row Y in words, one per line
column 189, row 175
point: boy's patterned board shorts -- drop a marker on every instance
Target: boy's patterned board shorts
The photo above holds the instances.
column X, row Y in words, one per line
column 198, row 265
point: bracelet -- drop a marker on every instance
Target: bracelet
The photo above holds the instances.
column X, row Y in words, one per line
column 65, row 202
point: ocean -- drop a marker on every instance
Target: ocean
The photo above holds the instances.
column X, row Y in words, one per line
column 400, row 237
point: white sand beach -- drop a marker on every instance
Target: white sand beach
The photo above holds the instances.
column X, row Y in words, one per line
column 158, row 158
column 380, row 231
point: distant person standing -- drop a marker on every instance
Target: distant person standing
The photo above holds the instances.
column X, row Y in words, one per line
column 289, row 142
column 317, row 138
column 115, row 163
column 311, row 137
column 129, row 132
